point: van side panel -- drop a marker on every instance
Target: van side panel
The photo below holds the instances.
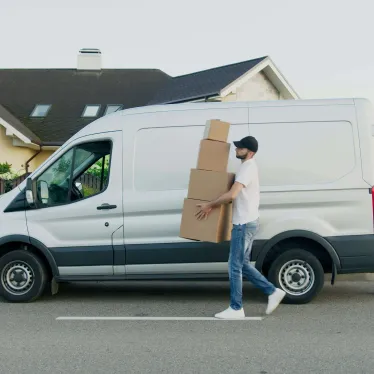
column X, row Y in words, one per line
column 311, row 179
column 159, row 152
column 12, row 224
column 312, row 168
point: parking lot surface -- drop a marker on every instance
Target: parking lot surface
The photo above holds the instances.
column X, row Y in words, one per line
column 166, row 327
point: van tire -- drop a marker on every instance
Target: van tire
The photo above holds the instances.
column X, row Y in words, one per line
column 299, row 273
column 23, row 276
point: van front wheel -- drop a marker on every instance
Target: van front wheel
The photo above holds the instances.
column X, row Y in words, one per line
column 23, row 276
column 299, row 273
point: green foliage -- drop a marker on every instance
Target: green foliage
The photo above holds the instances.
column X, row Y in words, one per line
column 8, row 175
column 95, row 169
column 88, row 191
column 5, row 168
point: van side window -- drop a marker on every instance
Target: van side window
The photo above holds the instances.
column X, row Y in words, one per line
column 303, row 156
column 95, row 178
column 81, row 172
column 164, row 156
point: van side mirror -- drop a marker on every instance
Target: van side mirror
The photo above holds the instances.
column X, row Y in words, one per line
column 43, row 191
column 29, row 192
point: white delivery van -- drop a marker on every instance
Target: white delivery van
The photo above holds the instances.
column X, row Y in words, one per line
column 107, row 205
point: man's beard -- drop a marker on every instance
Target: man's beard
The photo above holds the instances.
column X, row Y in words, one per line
column 241, row 157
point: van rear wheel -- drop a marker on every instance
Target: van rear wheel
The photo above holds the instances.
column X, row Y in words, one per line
column 23, row 276
column 299, row 273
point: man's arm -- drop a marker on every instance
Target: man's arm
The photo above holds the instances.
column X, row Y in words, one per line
column 226, row 198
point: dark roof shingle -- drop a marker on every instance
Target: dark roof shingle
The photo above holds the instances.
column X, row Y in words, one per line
column 201, row 84
column 69, row 91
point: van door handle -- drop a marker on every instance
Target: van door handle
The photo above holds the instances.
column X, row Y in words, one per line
column 106, row 206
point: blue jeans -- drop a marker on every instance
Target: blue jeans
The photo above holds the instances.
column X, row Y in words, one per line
column 242, row 237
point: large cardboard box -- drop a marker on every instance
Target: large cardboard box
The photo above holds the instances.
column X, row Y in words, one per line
column 209, row 185
column 216, row 130
column 213, row 155
column 215, row 229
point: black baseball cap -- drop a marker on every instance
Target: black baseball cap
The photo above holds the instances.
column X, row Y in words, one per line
column 248, row 142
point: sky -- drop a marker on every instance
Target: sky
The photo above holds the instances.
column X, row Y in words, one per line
column 324, row 48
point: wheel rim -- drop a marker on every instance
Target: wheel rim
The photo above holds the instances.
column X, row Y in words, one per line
column 296, row 277
column 17, row 278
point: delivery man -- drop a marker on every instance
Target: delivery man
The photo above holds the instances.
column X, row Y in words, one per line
column 245, row 195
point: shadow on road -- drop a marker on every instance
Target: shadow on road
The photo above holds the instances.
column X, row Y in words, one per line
column 184, row 292
column 157, row 291
column 198, row 291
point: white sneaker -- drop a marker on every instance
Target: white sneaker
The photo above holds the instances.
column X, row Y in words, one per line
column 274, row 300
column 230, row 313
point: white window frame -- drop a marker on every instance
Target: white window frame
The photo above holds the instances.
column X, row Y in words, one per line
column 35, row 108
column 91, row 105
column 120, row 107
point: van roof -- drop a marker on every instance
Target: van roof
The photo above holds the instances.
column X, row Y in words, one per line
column 97, row 126
column 235, row 104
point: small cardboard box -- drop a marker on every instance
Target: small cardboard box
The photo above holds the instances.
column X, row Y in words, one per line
column 213, row 155
column 217, row 130
column 215, row 229
column 209, row 185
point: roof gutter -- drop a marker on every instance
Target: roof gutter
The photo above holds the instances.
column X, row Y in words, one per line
column 51, row 144
column 27, row 163
column 190, row 99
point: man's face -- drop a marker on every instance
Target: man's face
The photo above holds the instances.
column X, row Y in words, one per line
column 242, row 153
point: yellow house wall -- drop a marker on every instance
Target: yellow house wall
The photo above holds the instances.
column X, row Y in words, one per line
column 39, row 159
column 17, row 156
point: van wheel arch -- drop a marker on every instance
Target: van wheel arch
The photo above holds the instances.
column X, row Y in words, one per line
column 15, row 242
column 310, row 241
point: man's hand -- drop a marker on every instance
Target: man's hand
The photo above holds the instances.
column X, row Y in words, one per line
column 204, row 211
column 226, row 198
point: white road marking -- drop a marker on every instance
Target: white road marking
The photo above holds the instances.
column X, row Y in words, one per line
column 154, row 319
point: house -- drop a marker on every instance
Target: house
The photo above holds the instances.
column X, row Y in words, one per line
column 257, row 79
column 41, row 108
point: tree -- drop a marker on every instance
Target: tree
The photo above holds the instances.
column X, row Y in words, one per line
column 7, row 175
column 5, row 168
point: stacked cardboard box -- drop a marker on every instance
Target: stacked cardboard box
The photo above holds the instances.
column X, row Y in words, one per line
column 207, row 182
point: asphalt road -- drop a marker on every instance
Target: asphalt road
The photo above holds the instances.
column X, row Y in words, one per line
column 334, row 334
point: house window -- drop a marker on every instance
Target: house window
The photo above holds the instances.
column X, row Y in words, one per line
column 111, row 108
column 41, row 110
column 91, row 110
